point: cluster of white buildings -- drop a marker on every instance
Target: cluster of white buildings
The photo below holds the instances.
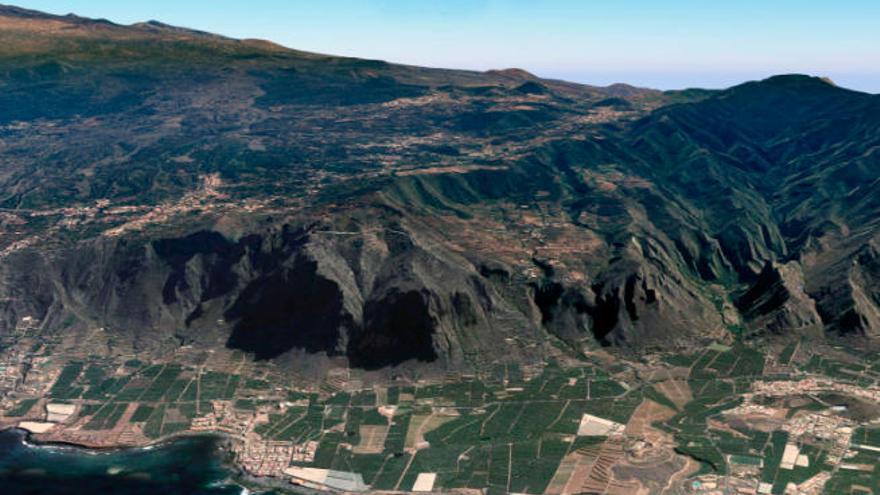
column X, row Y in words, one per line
column 712, row 484
column 823, row 426
column 265, row 458
column 223, row 418
column 305, row 452
column 814, row 385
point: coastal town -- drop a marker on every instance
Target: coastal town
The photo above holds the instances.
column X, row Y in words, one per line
column 725, row 420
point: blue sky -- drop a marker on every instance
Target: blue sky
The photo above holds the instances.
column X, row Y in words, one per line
column 664, row 44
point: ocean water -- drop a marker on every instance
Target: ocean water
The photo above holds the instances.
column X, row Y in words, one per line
column 188, row 466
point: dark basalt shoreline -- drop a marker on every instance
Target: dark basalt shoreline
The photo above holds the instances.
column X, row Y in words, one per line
column 221, row 442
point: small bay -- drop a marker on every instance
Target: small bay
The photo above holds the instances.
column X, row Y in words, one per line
column 185, row 466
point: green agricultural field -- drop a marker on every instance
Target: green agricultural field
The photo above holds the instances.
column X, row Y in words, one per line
column 107, row 416
column 153, row 426
column 500, row 431
column 21, row 408
column 174, row 391
column 64, row 385
column 280, row 422
column 94, row 375
column 788, row 353
column 658, row 397
column 130, row 394
column 391, row 471
column 363, row 399
column 161, row 384
column 215, row 385
column 773, row 456
column 304, row 427
column 142, row 413
column 395, row 441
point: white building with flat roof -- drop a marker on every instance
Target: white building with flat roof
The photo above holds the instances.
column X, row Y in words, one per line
column 789, row 456
column 327, row 478
column 594, row 426
column 424, row 482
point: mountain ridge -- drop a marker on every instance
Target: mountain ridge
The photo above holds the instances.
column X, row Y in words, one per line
column 315, row 210
column 157, row 29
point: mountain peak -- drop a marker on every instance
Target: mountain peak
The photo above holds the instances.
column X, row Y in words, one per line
column 798, row 81
column 44, row 25
column 159, row 27
column 13, row 11
column 513, row 73
column 799, row 88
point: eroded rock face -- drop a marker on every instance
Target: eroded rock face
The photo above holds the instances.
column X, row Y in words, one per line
column 368, row 296
column 398, row 327
column 291, row 307
column 848, row 298
column 631, row 307
column 637, row 302
column 374, row 292
column 777, row 302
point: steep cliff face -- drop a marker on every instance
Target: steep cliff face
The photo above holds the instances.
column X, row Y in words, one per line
column 846, row 292
column 636, row 302
column 777, row 302
column 373, row 296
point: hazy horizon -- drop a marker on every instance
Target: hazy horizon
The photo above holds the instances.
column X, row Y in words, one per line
column 679, row 44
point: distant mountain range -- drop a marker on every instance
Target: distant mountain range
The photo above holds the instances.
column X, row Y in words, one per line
column 176, row 187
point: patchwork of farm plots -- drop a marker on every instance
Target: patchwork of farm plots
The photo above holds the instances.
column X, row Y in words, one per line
column 691, row 422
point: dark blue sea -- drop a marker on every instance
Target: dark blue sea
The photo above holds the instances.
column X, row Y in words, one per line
column 188, row 466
